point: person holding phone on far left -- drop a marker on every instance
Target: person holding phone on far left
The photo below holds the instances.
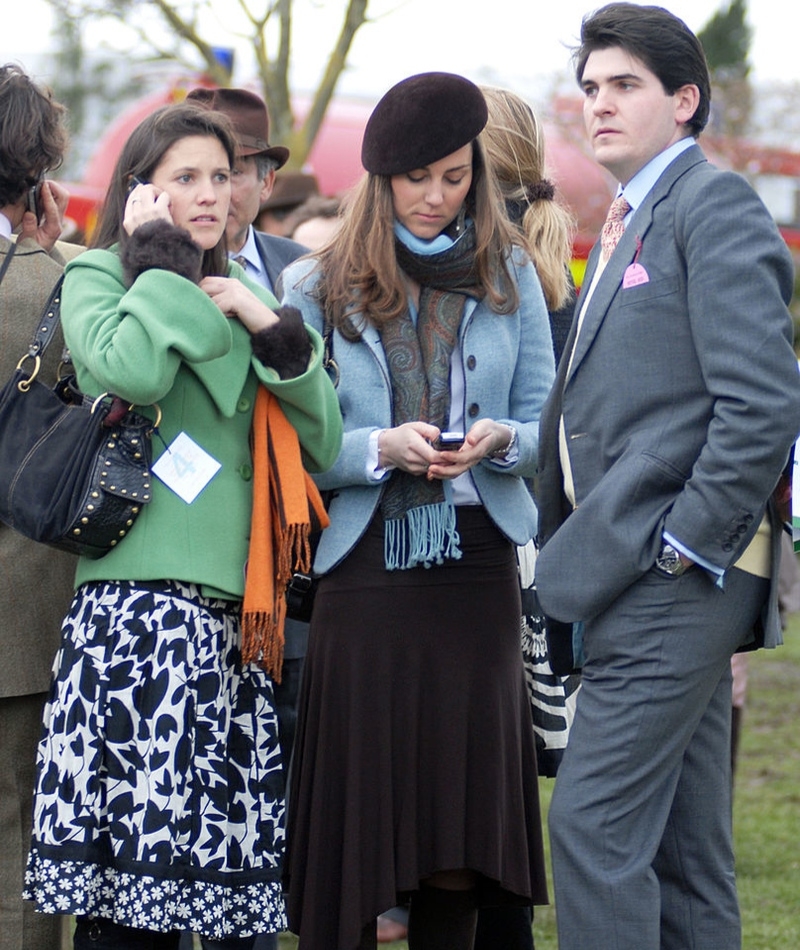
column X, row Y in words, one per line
column 36, row 580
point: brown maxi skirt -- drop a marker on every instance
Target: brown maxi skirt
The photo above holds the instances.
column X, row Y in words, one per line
column 414, row 750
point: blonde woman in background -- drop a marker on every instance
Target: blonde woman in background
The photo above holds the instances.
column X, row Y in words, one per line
column 514, row 143
column 513, row 140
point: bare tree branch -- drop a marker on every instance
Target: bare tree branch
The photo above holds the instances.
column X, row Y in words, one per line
column 188, row 30
column 189, row 47
column 303, row 138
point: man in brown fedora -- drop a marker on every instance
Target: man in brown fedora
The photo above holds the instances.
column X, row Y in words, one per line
column 263, row 256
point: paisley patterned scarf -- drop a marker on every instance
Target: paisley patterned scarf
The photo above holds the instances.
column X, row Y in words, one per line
column 420, row 519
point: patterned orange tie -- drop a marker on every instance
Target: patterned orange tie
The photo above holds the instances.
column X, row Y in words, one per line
column 613, row 228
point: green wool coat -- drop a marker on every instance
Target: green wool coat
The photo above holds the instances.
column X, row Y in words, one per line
column 164, row 341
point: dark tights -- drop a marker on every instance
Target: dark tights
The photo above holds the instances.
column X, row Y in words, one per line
column 441, row 919
column 96, row 933
column 369, row 937
column 506, row 927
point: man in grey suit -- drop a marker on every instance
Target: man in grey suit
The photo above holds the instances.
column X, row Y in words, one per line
column 673, row 413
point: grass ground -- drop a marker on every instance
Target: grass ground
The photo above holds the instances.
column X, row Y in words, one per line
column 766, row 807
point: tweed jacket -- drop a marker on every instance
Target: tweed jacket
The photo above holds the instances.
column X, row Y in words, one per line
column 36, row 581
column 681, row 400
column 509, row 367
column 164, row 341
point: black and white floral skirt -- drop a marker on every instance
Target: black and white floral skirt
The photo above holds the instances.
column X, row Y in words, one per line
column 159, row 798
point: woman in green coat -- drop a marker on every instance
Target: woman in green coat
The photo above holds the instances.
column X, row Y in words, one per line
column 159, row 801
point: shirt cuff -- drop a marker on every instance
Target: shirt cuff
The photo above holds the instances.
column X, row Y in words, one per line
column 375, row 471
column 719, row 572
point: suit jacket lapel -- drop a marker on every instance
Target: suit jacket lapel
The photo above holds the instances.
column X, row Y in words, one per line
column 605, row 291
column 266, row 259
column 611, row 279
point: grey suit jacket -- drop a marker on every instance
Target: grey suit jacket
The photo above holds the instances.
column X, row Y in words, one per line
column 36, row 582
column 682, row 399
column 276, row 253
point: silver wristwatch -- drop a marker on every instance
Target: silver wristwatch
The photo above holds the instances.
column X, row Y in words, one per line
column 669, row 561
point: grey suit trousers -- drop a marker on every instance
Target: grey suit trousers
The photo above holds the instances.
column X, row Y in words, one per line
column 640, row 821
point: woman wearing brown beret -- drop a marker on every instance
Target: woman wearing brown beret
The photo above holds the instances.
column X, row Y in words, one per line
column 414, row 774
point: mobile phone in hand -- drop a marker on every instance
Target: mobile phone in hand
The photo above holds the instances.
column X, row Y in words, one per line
column 449, row 441
column 33, row 200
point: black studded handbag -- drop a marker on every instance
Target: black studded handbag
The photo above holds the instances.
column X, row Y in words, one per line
column 74, row 471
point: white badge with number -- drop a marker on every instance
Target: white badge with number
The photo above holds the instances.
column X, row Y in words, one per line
column 186, row 468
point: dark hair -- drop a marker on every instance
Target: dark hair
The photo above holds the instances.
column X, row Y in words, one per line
column 664, row 43
column 143, row 153
column 33, row 138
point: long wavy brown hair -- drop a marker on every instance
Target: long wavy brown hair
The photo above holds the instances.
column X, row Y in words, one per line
column 359, row 273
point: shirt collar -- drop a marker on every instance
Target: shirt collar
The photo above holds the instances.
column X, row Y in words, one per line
column 250, row 252
column 5, row 226
column 640, row 186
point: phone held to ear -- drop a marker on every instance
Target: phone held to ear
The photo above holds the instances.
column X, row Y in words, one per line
column 134, row 181
column 33, row 200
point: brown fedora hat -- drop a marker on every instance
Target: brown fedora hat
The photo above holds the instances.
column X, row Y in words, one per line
column 249, row 117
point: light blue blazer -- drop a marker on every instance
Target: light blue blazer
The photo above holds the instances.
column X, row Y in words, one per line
column 509, row 368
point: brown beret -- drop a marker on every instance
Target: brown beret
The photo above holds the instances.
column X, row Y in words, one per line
column 420, row 120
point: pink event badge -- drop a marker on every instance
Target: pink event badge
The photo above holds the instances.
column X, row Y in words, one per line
column 635, row 274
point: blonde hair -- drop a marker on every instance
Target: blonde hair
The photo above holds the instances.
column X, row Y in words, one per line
column 514, row 145
column 359, row 272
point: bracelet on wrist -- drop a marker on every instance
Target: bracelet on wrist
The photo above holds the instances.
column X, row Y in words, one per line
column 503, row 451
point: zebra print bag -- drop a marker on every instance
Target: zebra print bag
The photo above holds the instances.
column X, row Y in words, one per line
column 552, row 697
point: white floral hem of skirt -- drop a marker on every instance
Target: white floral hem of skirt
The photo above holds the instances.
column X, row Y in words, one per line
column 149, row 903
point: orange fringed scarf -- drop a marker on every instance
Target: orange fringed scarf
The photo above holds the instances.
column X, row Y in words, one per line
column 287, row 507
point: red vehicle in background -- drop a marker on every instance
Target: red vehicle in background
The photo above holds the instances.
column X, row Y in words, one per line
column 335, row 161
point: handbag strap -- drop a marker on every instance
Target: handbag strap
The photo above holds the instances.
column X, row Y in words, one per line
column 7, row 261
column 48, row 322
column 329, row 363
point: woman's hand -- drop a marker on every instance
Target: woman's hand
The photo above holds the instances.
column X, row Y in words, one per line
column 408, row 447
column 145, row 203
column 482, row 440
column 53, row 199
column 237, row 301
